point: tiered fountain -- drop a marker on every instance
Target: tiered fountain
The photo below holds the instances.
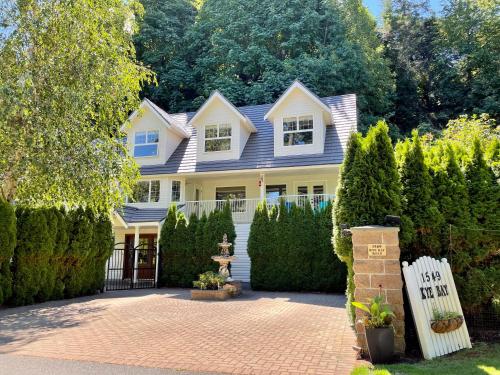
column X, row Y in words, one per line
column 224, row 259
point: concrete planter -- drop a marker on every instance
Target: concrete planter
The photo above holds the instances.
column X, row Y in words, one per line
column 217, row 295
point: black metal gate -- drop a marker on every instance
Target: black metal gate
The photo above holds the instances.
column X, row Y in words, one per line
column 131, row 268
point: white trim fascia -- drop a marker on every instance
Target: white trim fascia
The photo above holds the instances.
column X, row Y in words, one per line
column 145, row 224
column 217, row 95
column 237, row 171
column 170, row 123
column 120, row 219
column 309, row 93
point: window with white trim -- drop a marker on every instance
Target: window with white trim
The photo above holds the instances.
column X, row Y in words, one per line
column 145, row 192
column 176, row 191
column 217, row 137
column 146, row 143
column 298, row 130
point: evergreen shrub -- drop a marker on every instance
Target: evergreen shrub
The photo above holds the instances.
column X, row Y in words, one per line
column 7, row 246
column 290, row 250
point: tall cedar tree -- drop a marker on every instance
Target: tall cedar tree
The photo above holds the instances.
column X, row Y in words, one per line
column 58, row 260
column 166, row 234
column 259, row 241
column 421, row 219
column 7, row 246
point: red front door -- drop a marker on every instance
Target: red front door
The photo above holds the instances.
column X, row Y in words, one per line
column 146, row 256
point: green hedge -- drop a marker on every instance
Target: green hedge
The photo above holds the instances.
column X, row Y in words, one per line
column 291, row 251
column 186, row 247
column 54, row 255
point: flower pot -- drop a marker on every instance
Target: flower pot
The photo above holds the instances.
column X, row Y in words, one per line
column 380, row 344
column 447, row 325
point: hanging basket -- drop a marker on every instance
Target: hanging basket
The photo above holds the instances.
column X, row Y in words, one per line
column 447, row 325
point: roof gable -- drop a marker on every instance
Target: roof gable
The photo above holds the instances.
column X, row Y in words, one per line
column 167, row 120
column 217, row 96
column 296, row 85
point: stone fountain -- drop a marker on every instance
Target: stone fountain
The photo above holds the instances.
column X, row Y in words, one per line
column 224, row 259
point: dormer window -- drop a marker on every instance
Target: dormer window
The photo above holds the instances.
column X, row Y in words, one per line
column 146, row 143
column 298, row 130
column 217, row 137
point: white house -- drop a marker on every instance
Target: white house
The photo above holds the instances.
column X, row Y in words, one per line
column 292, row 148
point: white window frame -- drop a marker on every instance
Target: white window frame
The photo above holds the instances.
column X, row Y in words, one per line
column 147, row 143
column 298, row 130
column 218, row 137
column 149, row 192
column 172, row 190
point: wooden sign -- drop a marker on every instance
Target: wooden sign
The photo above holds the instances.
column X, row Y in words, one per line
column 431, row 289
column 377, row 250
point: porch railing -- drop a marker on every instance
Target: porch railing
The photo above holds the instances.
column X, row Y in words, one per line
column 243, row 209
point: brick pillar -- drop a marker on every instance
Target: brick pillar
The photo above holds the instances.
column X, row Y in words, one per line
column 378, row 274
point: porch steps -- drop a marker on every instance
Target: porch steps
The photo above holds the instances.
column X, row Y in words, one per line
column 240, row 268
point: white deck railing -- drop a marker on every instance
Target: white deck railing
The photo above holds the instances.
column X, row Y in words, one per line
column 243, row 209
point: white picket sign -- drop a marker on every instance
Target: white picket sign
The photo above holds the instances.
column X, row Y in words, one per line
column 430, row 285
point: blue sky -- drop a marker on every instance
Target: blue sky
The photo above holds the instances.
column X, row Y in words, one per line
column 376, row 6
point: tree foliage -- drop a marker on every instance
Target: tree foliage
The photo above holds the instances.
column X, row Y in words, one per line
column 68, row 81
column 251, row 51
column 289, row 248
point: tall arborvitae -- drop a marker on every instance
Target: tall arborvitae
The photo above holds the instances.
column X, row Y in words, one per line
column 282, row 231
column 227, row 226
column 166, row 234
column 328, row 272
column 192, row 261
column 47, row 270
column 58, row 260
column 104, row 244
column 7, row 246
column 32, row 236
column 384, row 194
column 421, row 219
column 204, row 262
column 178, row 256
column 259, row 241
column 80, row 236
column 211, row 238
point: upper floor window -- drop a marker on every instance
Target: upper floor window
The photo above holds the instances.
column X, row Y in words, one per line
column 176, row 191
column 217, row 137
column 298, row 130
column 146, row 192
column 146, row 143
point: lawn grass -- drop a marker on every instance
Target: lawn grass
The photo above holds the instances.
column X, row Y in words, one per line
column 482, row 359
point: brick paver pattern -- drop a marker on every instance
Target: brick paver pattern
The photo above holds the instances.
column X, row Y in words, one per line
column 257, row 333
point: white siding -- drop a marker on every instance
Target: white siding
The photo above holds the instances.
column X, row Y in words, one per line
column 240, row 268
column 168, row 142
column 297, row 103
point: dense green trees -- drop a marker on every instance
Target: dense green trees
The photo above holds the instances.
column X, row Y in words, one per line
column 253, row 50
column 290, row 250
column 7, row 246
column 369, row 189
column 54, row 254
column 420, row 69
column 186, row 248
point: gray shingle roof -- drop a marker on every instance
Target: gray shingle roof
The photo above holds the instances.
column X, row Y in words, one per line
column 259, row 150
column 135, row 215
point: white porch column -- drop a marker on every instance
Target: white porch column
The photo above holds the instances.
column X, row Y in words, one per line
column 157, row 254
column 262, row 181
column 136, row 252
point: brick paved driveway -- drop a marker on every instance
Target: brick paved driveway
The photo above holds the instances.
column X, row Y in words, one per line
column 258, row 333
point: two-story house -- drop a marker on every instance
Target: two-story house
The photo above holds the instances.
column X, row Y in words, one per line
column 292, row 149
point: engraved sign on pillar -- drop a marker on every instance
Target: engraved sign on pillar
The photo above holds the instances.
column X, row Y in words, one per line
column 377, row 250
column 430, row 287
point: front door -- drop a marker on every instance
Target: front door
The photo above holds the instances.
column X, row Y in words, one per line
column 146, row 256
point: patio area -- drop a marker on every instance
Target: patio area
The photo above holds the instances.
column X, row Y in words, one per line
column 258, row 333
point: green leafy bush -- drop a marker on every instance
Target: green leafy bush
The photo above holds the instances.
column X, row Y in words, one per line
column 209, row 280
column 379, row 314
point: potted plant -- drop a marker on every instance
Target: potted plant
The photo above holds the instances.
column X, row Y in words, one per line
column 210, row 286
column 379, row 330
column 445, row 321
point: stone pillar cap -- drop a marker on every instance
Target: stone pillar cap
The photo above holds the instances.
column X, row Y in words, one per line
column 378, row 228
